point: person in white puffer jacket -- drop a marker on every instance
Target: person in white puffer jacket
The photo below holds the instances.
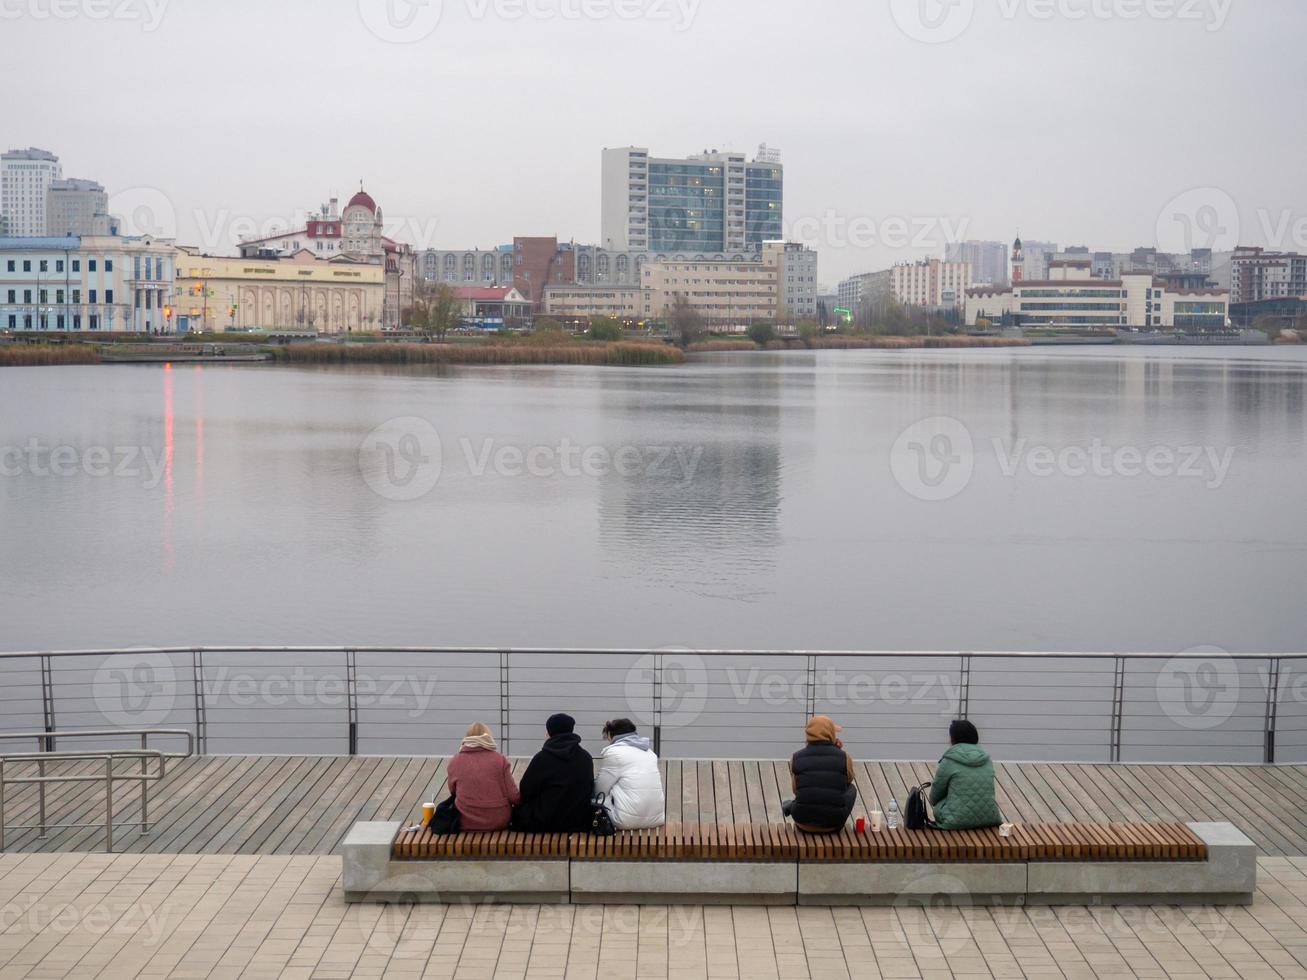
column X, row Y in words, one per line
column 629, row 779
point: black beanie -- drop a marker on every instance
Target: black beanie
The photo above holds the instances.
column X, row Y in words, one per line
column 560, row 725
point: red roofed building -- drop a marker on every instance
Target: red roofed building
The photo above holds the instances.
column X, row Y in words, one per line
column 490, row 306
column 355, row 234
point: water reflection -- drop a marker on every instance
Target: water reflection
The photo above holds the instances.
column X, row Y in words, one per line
column 780, row 524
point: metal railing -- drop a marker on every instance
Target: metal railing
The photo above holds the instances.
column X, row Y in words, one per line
column 41, row 761
column 1032, row 706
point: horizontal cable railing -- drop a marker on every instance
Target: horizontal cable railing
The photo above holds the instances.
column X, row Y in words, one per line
column 695, row 704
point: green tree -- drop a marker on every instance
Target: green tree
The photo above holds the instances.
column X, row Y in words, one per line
column 436, row 312
column 606, row 328
column 808, row 329
column 762, row 333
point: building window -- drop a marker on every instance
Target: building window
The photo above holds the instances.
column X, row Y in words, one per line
column 59, row 265
column 43, row 266
column 77, row 265
column 90, row 266
column 108, row 295
column 108, row 265
column 27, row 265
column 92, row 292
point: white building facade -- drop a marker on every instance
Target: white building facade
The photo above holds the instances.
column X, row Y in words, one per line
column 1072, row 298
column 25, row 178
column 77, row 207
column 931, row 284
column 796, row 273
column 87, row 284
column 988, row 260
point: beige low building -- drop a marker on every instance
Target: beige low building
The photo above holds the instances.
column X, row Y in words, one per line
column 293, row 292
column 725, row 294
column 620, row 302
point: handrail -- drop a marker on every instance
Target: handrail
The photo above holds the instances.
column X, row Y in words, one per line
column 144, row 776
column 645, row 651
column 1244, row 697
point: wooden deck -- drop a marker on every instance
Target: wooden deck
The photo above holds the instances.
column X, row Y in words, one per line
column 297, row 805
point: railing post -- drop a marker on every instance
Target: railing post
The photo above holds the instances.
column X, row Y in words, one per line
column 40, row 772
column 811, row 706
column 47, row 701
column 964, row 687
column 657, row 679
column 201, row 712
column 1272, row 706
column 108, row 803
column 145, row 789
column 1118, row 708
column 352, row 699
column 505, row 699
column 2, row 806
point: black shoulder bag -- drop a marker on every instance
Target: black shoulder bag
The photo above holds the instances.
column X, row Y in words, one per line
column 445, row 820
column 601, row 823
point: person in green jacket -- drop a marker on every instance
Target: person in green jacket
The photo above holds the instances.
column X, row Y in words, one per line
column 962, row 793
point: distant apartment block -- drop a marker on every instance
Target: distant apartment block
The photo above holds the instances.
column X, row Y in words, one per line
column 1257, row 275
column 988, row 260
column 1072, row 297
column 25, row 178
column 796, row 274
column 78, row 207
column 931, row 284
column 714, row 202
column 1034, row 257
column 574, row 301
column 725, row 294
column 860, row 293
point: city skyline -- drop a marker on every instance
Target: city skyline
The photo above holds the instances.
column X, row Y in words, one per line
column 962, row 152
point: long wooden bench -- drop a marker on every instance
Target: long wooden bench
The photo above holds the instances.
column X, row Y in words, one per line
column 700, row 841
column 770, row 863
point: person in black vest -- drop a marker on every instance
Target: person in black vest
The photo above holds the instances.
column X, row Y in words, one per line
column 558, row 785
column 822, row 776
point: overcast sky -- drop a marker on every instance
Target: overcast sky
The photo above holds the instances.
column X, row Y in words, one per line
column 1098, row 122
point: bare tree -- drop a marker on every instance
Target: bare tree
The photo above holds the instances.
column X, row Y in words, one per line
column 686, row 322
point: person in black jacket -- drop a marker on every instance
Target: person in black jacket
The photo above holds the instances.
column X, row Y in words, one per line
column 822, row 777
column 558, row 785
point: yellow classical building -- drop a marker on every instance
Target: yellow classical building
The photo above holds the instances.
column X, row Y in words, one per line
column 293, row 292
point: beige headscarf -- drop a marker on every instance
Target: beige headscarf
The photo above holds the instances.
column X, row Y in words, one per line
column 821, row 729
column 479, row 737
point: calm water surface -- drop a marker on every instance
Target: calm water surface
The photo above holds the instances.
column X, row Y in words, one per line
column 756, row 504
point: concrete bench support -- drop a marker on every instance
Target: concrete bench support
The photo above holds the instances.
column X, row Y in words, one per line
column 912, row 884
column 370, row 875
column 683, row 883
column 1228, row 876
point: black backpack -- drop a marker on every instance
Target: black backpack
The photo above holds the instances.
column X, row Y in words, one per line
column 916, row 815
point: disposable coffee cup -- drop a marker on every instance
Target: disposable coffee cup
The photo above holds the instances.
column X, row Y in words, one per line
column 428, row 811
column 877, row 821
column 861, row 825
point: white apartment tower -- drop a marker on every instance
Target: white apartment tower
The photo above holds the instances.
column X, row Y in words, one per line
column 25, row 178
column 796, row 274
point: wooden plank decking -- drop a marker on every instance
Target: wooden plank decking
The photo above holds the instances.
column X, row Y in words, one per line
column 304, row 805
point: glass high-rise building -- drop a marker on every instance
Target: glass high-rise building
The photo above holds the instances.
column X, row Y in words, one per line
column 710, row 204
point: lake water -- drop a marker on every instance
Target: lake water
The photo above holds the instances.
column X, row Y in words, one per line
column 1088, row 499
column 739, row 501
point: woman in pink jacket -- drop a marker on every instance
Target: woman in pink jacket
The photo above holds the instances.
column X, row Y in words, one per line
column 481, row 782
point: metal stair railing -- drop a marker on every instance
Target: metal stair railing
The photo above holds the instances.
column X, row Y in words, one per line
column 139, row 759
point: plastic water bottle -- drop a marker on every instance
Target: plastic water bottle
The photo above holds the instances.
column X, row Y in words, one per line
column 892, row 815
